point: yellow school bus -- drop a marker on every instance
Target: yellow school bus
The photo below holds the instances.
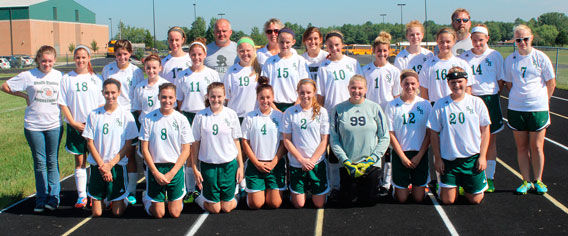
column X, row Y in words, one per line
column 357, row 49
column 110, row 48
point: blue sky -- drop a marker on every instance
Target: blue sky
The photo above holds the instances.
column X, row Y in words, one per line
column 245, row 14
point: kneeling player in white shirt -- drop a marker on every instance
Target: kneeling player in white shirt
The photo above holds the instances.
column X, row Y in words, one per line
column 459, row 125
column 109, row 132
column 165, row 137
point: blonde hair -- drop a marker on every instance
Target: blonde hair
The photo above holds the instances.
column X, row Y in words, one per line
column 358, row 78
column 447, row 30
column 383, row 38
column 45, row 49
column 315, row 105
column 273, row 21
column 521, row 27
column 256, row 68
column 413, row 24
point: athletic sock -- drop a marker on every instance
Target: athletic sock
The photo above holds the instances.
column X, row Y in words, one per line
column 387, row 175
column 132, row 181
column 147, row 203
column 490, row 170
column 200, row 202
column 189, row 180
column 81, row 182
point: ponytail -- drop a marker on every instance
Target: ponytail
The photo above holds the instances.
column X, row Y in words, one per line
column 316, row 107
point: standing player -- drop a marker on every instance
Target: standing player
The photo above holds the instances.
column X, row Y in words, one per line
column 240, row 81
column 145, row 98
column 314, row 55
column 178, row 60
column 333, row 77
column 265, row 171
column 190, row 91
column 530, row 77
column 217, row 131
column 459, row 132
column 109, row 132
column 306, row 132
column 487, row 66
column 285, row 70
column 359, row 139
column 407, row 116
column 129, row 76
column 165, row 138
column 80, row 94
column 42, row 123
column 413, row 56
column 223, row 52
column 433, row 75
column 271, row 30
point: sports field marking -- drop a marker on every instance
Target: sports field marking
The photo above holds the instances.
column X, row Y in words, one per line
column 319, row 223
column 197, row 224
column 442, row 214
column 559, row 98
column 549, row 140
column 12, row 109
column 553, row 113
column 546, row 195
column 30, row 196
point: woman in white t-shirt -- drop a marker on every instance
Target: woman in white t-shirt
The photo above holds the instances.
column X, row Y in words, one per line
column 459, row 133
column 305, row 128
column 129, row 76
column 80, row 94
column 530, row 77
column 314, row 55
column 146, row 98
column 487, row 66
column 241, row 79
column 217, row 132
column 413, row 56
column 265, row 171
column 178, row 60
column 42, row 123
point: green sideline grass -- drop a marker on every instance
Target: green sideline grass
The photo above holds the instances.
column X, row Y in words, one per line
column 16, row 163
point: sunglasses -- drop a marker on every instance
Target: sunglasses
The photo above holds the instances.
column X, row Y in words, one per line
column 526, row 39
column 272, row 31
column 458, row 20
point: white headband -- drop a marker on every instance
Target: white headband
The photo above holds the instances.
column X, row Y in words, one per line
column 198, row 43
column 480, row 29
column 83, row 47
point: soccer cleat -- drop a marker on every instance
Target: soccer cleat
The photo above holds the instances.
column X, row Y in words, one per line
column 540, row 187
column 131, row 199
column 190, row 198
column 39, row 208
column 81, row 202
column 524, row 188
column 461, row 192
column 51, row 206
column 490, row 186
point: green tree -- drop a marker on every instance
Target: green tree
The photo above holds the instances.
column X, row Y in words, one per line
column 237, row 35
column 198, row 28
column 94, row 46
column 545, row 35
column 135, row 34
column 257, row 36
column 210, row 33
column 71, row 47
column 562, row 38
column 556, row 19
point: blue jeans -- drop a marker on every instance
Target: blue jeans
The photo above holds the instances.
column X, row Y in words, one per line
column 45, row 151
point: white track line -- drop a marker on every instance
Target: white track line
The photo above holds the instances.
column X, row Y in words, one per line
column 442, row 214
column 319, row 223
column 12, row 109
column 559, row 98
column 30, row 196
column 549, row 140
column 546, row 195
column 193, row 229
column 553, row 113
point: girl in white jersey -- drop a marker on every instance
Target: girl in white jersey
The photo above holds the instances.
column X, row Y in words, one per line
column 271, row 30
column 285, row 70
column 487, row 66
column 407, row 116
column 530, row 77
column 217, row 131
column 314, row 55
column 80, row 94
column 178, row 60
column 165, row 138
column 129, row 76
column 42, row 123
column 413, row 56
column 241, row 79
column 434, row 72
column 145, row 98
column 459, row 132
column 109, row 132
column 306, row 133
column 265, row 171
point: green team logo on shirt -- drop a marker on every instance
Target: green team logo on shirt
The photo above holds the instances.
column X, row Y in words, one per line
column 469, row 109
column 129, row 81
column 164, row 134
column 175, row 125
column 295, row 66
column 488, row 62
column 350, row 68
column 389, row 78
column 206, row 80
column 460, row 117
column 118, row 122
column 105, row 128
column 419, row 109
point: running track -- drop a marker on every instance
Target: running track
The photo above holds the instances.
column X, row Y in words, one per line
column 501, row 212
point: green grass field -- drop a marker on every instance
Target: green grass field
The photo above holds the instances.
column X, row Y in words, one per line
column 16, row 164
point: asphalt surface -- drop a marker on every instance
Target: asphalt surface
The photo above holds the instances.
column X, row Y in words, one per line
column 501, row 212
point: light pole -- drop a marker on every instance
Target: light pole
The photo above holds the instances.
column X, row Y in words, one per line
column 401, row 26
column 110, row 27
column 383, row 15
column 221, row 15
column 194, row 12
column 154, row 16
column 426, row 22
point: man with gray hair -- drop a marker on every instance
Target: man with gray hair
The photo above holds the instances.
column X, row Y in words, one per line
column 222, row 53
